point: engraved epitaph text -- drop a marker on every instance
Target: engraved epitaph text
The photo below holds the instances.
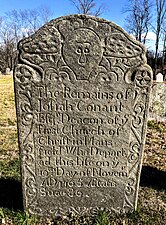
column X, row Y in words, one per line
column 82, row 94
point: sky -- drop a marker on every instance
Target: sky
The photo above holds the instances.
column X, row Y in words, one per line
column 113, row 10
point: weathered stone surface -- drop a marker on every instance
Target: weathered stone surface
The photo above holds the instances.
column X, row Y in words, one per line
column 82, row 93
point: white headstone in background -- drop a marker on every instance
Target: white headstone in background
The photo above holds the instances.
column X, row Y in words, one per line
column 7, row 71
column 159, row 77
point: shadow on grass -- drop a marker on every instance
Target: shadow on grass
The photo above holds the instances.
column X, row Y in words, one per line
column 11, row 194
column 154, row 178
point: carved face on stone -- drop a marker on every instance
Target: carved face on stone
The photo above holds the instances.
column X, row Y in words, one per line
column 82, row 52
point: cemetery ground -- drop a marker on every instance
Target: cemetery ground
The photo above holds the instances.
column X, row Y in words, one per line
column 152, row 192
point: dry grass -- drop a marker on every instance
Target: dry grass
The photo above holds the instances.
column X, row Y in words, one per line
column 7, row 106
column 8, row 132
column 155, row 149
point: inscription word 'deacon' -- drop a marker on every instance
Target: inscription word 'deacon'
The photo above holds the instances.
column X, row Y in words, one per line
column 82, row 95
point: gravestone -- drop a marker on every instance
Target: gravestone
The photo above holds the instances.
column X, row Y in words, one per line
column 82, row 94
column 7, row 71
column 157, row 109
column 159, row 77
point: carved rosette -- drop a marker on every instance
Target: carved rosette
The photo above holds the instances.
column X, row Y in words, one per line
column 81, row 48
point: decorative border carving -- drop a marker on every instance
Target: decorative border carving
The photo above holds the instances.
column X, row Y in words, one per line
column 143, row 80
column 23, row 86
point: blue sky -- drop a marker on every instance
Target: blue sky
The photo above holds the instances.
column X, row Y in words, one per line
column 113, row 8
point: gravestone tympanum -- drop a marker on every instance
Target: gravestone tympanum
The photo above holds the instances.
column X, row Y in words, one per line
column 82, row 94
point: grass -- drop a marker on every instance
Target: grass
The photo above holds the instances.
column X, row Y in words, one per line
column 102, row 218
column 159, row 126
column 155, row 151
column 7, row 106
column 16, row 218
column 8, row 132
column 8, row 143
column 10, row 169
column 152, row 198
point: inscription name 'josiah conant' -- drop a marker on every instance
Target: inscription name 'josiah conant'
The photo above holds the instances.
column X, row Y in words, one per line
column 47, row 100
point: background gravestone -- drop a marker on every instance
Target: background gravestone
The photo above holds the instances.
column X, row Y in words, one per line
column 82, row 94
column 157, row 109
column 7, row 71
column 159, row 77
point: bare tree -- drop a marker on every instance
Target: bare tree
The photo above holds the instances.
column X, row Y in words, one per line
column 138, row 20
column 33, row 19
column 7, row 45
column 88, row 7
column 14, row 26
column 45, row 14
column 161, row 12
column 164, row 52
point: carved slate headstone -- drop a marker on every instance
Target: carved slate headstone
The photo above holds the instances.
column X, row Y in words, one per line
column 82, row 94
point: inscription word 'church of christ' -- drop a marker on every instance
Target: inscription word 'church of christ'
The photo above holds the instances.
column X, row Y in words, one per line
column 82, row 96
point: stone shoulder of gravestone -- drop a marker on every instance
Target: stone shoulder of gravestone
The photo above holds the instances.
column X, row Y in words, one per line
column 82, row 95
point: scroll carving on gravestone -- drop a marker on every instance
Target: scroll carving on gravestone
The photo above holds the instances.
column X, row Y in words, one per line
column 82, row 95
